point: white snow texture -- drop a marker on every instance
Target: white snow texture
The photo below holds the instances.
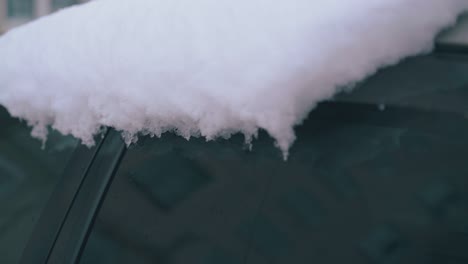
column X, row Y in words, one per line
column 204, row 67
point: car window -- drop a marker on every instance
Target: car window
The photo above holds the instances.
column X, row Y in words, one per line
column 360, row 186
column 28, row 174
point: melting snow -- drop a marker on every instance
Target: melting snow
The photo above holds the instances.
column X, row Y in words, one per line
column 207, row 67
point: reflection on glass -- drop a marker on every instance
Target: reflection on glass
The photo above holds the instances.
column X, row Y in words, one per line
column 28, row 175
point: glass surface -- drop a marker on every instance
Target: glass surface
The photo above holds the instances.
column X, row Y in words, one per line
column 20, row 8
column 385, row 186
column 28, row 175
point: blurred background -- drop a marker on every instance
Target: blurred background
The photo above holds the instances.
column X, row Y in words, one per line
column 16, row 12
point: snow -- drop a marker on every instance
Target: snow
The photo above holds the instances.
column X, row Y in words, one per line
column 207, row 68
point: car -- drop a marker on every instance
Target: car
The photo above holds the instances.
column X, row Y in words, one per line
column 378, row 175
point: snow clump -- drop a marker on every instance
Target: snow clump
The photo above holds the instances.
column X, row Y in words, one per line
column 207, row 68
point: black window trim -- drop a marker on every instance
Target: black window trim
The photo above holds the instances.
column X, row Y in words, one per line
column 57, row 208
column 73, row 235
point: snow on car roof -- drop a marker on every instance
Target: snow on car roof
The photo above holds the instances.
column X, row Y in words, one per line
column 204, row 68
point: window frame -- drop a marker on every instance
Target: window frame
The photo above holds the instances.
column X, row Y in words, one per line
column 56, row 210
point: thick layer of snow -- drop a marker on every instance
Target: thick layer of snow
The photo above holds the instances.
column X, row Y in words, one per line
column 204, row 67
